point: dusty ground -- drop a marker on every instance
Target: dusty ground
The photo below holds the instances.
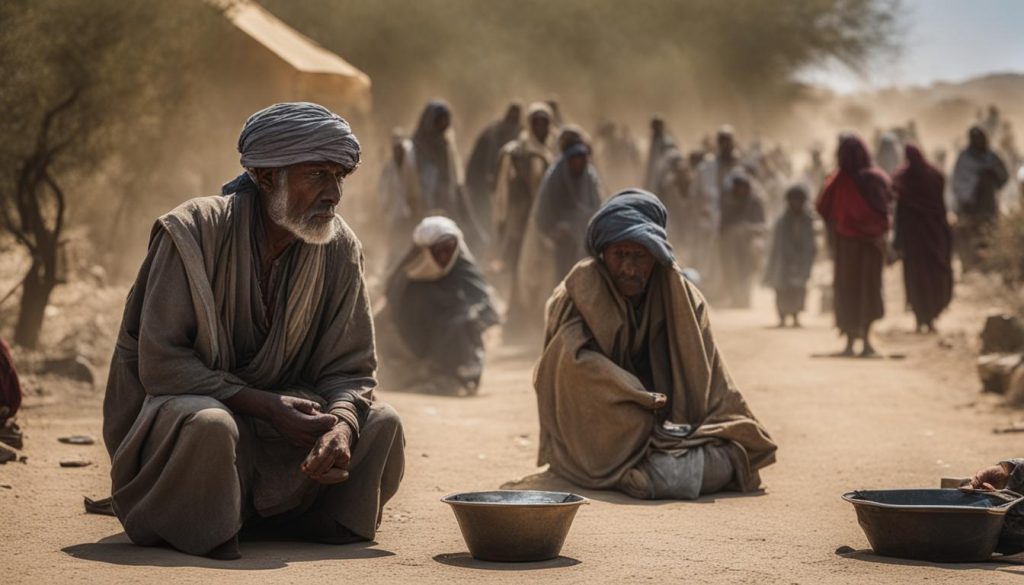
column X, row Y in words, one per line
column 840, row 424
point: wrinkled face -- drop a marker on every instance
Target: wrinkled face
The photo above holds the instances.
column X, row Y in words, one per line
column 302, row 198
column 444, row 250
column 577, row 164
column 630, row 265
column 540, row 126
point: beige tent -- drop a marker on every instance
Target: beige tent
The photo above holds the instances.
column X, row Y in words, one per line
column 316, row 73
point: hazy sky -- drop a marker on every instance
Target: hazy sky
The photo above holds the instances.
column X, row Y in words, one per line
column 944, row 40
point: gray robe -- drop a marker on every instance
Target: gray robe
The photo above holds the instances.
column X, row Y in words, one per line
column 185, row 469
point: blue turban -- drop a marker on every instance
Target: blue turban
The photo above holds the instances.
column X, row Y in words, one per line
column 291, row 133
column 631, row 215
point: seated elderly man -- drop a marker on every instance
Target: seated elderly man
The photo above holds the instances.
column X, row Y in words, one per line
column 241, row 387
column 632, row 392
column 438, row 307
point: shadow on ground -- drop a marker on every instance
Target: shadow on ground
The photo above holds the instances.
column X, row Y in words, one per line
column 1009, row 564
column 256, row 555
column 465, row 561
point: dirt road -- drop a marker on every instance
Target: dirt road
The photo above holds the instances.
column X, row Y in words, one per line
column 840, row 424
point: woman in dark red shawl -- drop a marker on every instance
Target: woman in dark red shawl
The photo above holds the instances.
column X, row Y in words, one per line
column 923, row 237
column 856, row 203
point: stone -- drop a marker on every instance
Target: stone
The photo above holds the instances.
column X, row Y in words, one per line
column 1003, row 333
column 995, row 370
column 72, row 367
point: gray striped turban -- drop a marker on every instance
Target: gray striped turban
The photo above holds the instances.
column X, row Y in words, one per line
column 292, row 133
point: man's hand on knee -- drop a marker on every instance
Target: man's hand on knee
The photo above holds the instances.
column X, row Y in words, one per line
column 328, row 462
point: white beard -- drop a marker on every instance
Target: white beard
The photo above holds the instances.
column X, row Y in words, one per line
column 300, row 225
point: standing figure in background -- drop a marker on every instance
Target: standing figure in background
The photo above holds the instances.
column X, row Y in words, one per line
column 978, row 175
column 661, row 142
column 792, row 256
column 923, row 238
column 482, row 167
column 524, row 162
column 438, row 307
column 889, row 156
column 399, row 195
column 569, row 194
column 675, row 177
column 439, row 170
column 856, row 202
column 741, row 248
column 707, row 192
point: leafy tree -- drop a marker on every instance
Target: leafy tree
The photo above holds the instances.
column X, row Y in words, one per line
column 81, row 82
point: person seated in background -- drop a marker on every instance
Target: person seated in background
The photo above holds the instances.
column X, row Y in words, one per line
column 241, row 390
column 438, row 307
column 1005, row 475
column 632, row 392
column 792, row 256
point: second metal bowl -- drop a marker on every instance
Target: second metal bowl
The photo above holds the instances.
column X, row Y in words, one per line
column 514, row 526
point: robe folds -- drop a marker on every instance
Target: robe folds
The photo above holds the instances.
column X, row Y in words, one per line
column 185, row 469
column 601, row 362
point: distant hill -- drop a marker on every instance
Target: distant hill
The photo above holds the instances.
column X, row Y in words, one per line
column 942, row 111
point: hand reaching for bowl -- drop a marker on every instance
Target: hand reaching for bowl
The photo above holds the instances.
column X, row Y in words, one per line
column 990, row 478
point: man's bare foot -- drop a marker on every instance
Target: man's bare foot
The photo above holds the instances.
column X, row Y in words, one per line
column 228, row 551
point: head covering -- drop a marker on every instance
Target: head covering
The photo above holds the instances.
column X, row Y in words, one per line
column 426, row 129
column 422, row 266
column 433, row 229
column 978, row 132
column 632, row 215
column 797, row 191
column 513, row 113
column 872, row 183
column 539, row 109
column 291, row 133
column 919, row 185
column 570, row 135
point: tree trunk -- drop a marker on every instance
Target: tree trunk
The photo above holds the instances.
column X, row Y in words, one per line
column 34, row 298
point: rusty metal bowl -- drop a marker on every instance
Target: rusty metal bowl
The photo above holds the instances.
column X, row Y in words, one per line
column 514, row 525
column 939, row 525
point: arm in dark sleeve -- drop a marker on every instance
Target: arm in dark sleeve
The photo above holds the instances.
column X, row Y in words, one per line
column 168, row 362
column 344, row 360
column 1015, row 468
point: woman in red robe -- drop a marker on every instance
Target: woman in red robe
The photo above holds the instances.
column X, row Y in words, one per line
column 856, row 203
